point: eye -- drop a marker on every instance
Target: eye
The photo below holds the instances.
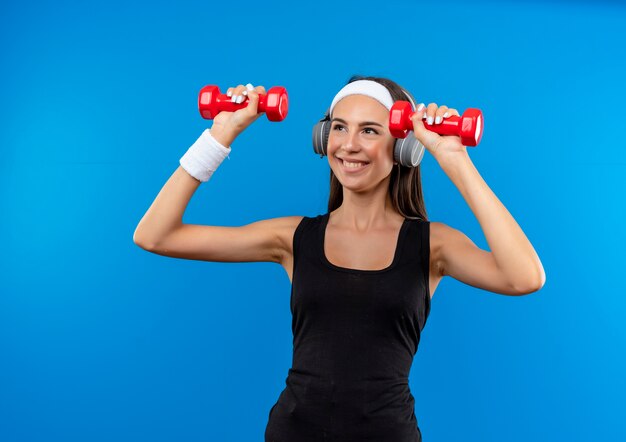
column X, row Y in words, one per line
column 339, row 127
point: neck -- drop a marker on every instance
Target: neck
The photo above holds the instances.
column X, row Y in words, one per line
column 363, row 211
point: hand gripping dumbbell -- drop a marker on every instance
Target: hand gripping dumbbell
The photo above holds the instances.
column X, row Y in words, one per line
column 468, row 126
column 211, row 102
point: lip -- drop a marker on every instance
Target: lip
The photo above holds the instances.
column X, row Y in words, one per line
column 350, row 170
column 352, row 160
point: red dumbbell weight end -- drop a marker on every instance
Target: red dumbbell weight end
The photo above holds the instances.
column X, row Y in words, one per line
column 469, row 126
column 211, row 102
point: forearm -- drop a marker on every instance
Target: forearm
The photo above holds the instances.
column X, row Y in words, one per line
column 511, row 249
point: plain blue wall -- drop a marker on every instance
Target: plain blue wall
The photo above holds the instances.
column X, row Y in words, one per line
column 101, row 340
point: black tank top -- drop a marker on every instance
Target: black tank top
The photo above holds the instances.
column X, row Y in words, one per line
column 355, row 333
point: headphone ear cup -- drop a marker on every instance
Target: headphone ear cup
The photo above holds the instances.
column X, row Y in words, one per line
column 320, row 136
column 408, row 151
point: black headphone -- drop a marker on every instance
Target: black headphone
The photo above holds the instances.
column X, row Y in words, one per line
column 406, row 151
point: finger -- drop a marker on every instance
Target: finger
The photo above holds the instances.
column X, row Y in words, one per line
column 253, row 96
column 253, row 100
column 232, row 93
column 418, row 115
column 451, row 112
column 253, row 106
column 249, row 87
column 421, row 107
column 439, row 115
column 237, row 96
column 260, row 89
column 425, row 136
column 430, row 112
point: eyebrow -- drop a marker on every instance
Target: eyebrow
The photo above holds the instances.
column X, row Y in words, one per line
column 364, row 123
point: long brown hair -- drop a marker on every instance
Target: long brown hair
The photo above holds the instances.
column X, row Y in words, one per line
column 405, row 184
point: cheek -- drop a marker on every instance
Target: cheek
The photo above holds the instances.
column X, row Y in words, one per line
column 334, row 140
column 331, row 144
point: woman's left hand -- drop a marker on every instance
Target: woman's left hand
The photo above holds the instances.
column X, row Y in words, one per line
column 442, row 147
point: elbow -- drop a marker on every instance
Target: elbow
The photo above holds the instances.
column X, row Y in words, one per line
column 142, row 242
column 533, row 280
column 532, row 285
column 527, row 290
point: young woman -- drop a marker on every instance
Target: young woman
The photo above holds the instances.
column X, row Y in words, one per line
column 364, row 273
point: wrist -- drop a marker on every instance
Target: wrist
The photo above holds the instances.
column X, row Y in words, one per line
column 204, row 156
column 456, row 165
column 222, row 136
column 453, row 160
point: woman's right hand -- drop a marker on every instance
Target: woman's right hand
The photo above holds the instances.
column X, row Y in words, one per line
column 228, row 125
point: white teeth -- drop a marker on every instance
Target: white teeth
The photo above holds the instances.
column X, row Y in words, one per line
column 352, row 165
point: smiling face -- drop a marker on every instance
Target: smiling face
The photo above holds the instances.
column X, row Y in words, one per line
column 359, row 132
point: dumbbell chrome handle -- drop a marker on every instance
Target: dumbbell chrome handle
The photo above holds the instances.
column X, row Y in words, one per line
column 469, row 126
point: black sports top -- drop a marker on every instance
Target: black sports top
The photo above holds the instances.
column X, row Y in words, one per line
column 355, row 333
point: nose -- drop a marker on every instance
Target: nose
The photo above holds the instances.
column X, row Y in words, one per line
column 350, row 140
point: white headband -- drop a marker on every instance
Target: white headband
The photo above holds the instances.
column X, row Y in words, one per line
column 364, row 87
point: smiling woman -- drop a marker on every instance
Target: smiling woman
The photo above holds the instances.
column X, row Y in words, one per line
column 363, row 274
column 405, row 179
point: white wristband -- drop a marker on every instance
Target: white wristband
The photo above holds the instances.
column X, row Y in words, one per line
column 204, row 157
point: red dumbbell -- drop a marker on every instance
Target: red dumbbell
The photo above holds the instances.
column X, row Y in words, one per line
column 469, row 126
column 211, row 102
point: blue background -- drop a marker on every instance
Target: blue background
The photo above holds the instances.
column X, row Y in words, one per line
column 101, row 340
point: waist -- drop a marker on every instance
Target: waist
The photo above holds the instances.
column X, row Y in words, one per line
column 342, row 379
column 325, row 389
column 349, row 360
column 370, row 399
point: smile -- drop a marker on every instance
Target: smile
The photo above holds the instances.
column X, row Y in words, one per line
column 351, row 167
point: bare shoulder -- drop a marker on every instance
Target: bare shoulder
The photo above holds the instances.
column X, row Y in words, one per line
column 450, row 245
column 285, row 228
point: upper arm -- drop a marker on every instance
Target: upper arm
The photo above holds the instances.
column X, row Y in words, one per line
column 265, row 240
column 461, row 259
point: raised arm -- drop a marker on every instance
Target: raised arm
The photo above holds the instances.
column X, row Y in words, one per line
column 161, row 229
column 512, row 267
